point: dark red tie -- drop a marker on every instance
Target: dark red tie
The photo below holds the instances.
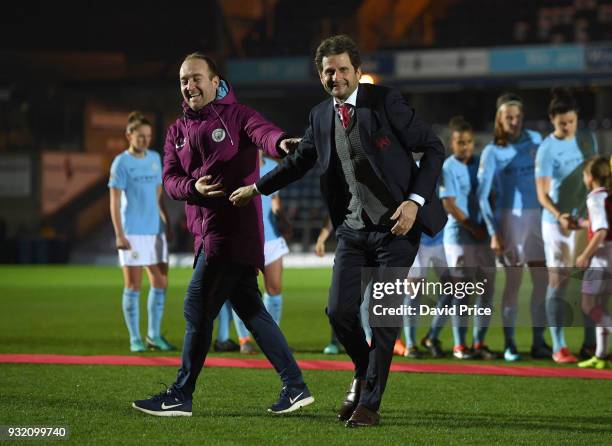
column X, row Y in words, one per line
column 345, row 114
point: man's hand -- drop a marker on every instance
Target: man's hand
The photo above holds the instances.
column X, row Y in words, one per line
column 582, row 261
column 477, row 232
column 242, row 196
column 209, row 190
column 405, row 216
column 497, row 245
column 121, row 242
column 320, row 246
column 289, row 145
column 567, row 223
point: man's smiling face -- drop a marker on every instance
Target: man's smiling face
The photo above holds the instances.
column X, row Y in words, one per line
column 197, row 88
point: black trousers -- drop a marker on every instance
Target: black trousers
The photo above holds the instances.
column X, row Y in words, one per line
column 210, row 286
column 356, row 250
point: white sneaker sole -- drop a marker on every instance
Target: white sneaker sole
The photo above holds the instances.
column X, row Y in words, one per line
column 296, row 406
column 167, row 413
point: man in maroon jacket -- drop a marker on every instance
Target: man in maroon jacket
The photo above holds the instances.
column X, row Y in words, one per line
column 211, row 149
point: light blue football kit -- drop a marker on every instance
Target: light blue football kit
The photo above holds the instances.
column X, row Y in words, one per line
column 138, row 178
column 508, row 170
column 561, row 161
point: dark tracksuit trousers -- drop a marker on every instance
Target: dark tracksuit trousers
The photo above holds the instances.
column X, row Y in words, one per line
column 211, row 284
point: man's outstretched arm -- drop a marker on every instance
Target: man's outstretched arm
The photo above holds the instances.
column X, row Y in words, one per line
column 292, row 168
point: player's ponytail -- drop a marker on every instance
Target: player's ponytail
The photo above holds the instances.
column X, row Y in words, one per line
column 599, row 169
column 135, row 120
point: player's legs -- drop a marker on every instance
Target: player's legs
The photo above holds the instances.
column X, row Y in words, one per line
column 558, row 259
column 596, row 307
column 410, row 321
column 485, row 271
column 539, row 279
column 158, row 278
column 513, row 228
column 364, row 314
column 244, row 337
column 273, row 298
column 132, row 278
column 436, row 256
column 274, row 250
column 514, row 277
column 223, row 322
column 457, row 257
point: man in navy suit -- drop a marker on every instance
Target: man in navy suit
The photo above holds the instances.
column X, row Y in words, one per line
column 379, row 202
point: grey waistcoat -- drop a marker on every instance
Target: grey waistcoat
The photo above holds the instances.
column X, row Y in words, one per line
column 368, row 193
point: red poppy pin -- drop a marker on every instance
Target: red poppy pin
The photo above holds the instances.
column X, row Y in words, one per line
column 382, row 142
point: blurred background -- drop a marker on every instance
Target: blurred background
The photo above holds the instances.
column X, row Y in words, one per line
column 72, row 71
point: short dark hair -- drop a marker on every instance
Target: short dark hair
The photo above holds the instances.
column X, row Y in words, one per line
column 212, row 66
column 562, row 102
column 459, row 124
column 335, row 45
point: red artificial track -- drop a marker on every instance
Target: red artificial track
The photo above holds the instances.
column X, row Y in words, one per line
column 456, row 369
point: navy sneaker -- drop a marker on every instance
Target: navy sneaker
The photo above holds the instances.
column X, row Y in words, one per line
column 226, row 346
column 169, row 403
column 292, row 398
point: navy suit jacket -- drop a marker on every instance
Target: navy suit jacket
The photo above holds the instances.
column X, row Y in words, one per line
column 390, row 133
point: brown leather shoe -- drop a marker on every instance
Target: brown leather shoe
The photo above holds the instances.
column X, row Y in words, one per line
column 352, row 398
column 363, row 417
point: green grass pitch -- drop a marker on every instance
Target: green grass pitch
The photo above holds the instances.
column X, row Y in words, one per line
column 77, row 310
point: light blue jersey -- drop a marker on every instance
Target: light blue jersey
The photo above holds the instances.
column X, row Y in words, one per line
column 270, row 230
column 561, row 160
column 459, row 180
column 139, row 179
column 509, row 172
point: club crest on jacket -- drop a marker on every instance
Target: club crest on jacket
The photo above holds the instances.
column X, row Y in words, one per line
column 218, row 135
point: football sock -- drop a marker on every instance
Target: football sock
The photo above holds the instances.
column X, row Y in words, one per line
column 410, row 322
column 460, row 325
column 241, row 330
column 224, row 318
column 438, row 321
column 155, row 308
column 554, row 315
column 364, row 315
column 274, row 305
column 131, row 312
column 602, row 341
column 539, row 278
column 481, row 322
column 509, row 314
